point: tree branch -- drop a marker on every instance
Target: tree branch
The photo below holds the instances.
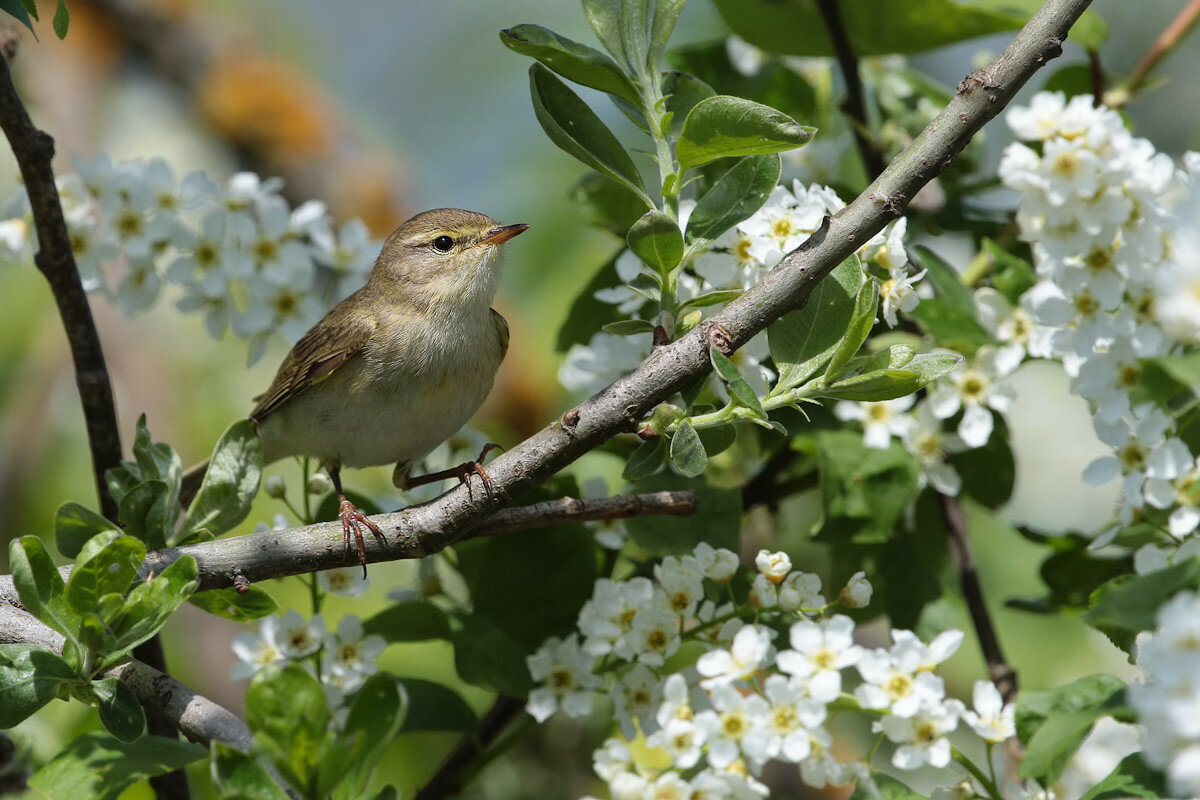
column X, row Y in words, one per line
column 854, row 105
column 277, row 554
column 1167, row 41
column 448, row 780
column 34, row 150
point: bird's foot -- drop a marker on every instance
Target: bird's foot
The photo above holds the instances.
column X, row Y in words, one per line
column 463, row 472
column 353, row 522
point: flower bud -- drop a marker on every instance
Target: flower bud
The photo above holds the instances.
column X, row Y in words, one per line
column 274, row 487
column 857, row 593
column 775, row 566
column 319, row 483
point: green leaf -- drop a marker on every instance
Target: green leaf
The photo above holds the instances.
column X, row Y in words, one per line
column 240, row 776
column 710, row 299
column 666, row 14
column 30, row 677
column 988, row 473
column 803, row 341
column 628, row 327
column 43, row 592
column 607, row 204
column 412, row 621
column 108, row 570
column 145, row 514
column 885, row 787
column 736, row 195
column 1012, row 275
column 231, row 481
column 510, row 578
column 739, row 389
column 687, row 453
column 120, row 710
column 1126, row 606
column 718, row 439
column 946, row 280
column 157, row 461
column 857, row 330
column 646, row 460
column 888, row 384
column 484, row 655
column 1053, row 722
column 574, row 61
column 62, row 19
column 286, row 710
column 605, row 18
column 372, row 722
column 254, row 603
column 149, row 605
column 634, row 25
column 99, row 767
column 682, row 92
column 656, row 239
column 75, row 524
column 868, row 487
column 877, row 27
column 576, row 129
column 1131, row 778
column 433, row 707
column 724, row 126
column 717, row 519
column 1184, row 368
column 950, row 326
column 17, row 9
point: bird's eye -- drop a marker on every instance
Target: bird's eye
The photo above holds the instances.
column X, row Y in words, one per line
column 443, row 244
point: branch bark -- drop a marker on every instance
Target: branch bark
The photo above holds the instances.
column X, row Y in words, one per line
column 55, row 259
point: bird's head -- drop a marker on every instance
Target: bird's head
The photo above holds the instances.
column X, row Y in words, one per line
column 445, row 256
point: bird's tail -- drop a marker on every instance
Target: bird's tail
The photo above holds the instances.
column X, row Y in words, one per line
column 192, row 478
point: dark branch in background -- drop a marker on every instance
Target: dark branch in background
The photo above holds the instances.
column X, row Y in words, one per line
column 1096, row 75
column 452, row 774
column 1167, row 41
column 277, row 554
column 55, row 259
column 34, row 150
column 998, row 669
column 855, row 104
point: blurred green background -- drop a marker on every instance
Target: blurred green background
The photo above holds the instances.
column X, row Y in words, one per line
column 383, row 109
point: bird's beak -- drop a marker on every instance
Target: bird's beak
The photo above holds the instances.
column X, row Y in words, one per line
column 503, row 233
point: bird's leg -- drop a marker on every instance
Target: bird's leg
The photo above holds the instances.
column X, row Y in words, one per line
column 463, row 472
column 353, row 520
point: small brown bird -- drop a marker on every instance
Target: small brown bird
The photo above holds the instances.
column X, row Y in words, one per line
column 400, row 365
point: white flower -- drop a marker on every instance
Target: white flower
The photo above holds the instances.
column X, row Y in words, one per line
column 606, row 619
column 901, row 679
column 682, row 581
column 567, row 679
column 930, row 444
column 654, row 634
column 922, row 736
column 636, row 696
column 857, row 593
column 899, row 293
column 881, row 419
column 991, row 718
column 345, row 581
column 774, row 565
column 801, row 591
column 612, row 759
column 820, row 650
column 256, row 651
column 718, row 563
column 974, row 389
column 589, row 368
column 297, row 637
column 787, row 728
column 731, row 719
column 348, row 650
column 750, row 649
column 683, row 740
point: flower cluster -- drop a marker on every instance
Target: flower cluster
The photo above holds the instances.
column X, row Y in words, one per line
column 236, row 253
column 1112, row 226
column 341, row 658
column 711, row 721
column 1168, row 699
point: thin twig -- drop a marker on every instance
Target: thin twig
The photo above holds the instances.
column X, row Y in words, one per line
column 34, row 150
column 277, row 554
column 448, row 780
column 999, row 670
column 1167, row 41
column 855, row 104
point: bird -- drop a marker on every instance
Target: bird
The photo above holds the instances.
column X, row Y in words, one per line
column 397, row 367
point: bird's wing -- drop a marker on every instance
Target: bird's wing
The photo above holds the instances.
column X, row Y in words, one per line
column 501, row 331
column 330, row 343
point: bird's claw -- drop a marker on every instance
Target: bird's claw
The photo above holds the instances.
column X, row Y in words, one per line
column 465, row 471
column 353, row 521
